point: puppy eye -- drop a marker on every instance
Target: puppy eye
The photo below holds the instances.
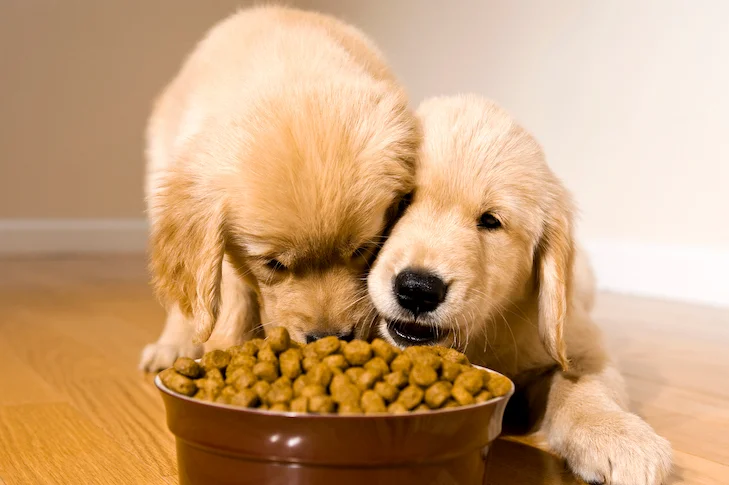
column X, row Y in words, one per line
column 489, row 221
column 404, row 203
column 361, row 252
column 276, row 265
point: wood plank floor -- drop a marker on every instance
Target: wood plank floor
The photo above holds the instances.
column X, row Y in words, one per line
column 74, row 409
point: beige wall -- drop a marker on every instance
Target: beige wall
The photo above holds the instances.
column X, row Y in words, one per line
column 76, row 81
column 629, row 98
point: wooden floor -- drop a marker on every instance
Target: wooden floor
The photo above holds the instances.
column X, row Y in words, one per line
column 74, row 409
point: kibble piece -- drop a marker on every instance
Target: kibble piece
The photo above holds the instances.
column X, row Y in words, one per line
column 378, row 364
column 470, row 380
column 346, row 393
column 280, row 407
column 177, row 382
column 309, row 350
column 242, row 360
column 279, row 394
column 215, row 375
column 321, row 404
column 204, row 395
column 279, row 339
column 437, row 394
column 401, row 363
column 463, row 396
column 300, row 404
column 450, row 371
column 452, row 355
column 498, row 385
column 483, row 396
column 212, row 387
column 349, row 408
column 188, row 367
column 326, row 346
column 263, row 407
column 397, row 408
column 357, row 352
column 243, row 378
column 215, row 359
column 388, row 392
column 428, row 359
column 246, row 348
column 383, row 350
column 367, row 379
column 353, row 373
column 410, row 397
column 421, row 407
column 266, row 354
column 320, row 374
column 266, row 371
column 299, row 384
column 309, row 362
column 290, row 363
column 246, row 398
column 261, row 389
column 485, row 377
column 451, row 403
column 313, row 390
column 371, row 402
column 398, row 379
column 282, row 381
column 259, row 343
column 225, row 396
column 339, row 380
column 423, row 375
column 336, row 362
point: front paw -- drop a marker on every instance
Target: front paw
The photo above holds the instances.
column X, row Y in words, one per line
column 159, row 356
column 617, row 448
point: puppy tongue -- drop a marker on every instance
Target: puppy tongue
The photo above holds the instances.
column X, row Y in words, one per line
column 413, row 333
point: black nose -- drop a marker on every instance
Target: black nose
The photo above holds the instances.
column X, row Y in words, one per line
column 418, row 291
column 314, row 336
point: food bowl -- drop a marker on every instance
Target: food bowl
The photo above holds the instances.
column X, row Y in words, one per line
column 219, row 444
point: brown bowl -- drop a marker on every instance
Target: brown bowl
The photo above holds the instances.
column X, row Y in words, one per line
column 218, row 444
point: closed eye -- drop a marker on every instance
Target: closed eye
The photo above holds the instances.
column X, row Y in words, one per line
column 275, row 265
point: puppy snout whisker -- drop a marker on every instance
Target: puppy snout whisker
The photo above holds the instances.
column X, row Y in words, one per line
column 419, row 291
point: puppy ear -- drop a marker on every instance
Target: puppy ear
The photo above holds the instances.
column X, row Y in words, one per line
column 555, row 260
column 187, row 245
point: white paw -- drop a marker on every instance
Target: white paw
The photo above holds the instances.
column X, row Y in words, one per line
column 159, row 356
column 617, row 448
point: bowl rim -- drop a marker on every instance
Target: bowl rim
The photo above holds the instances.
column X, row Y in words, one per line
column 294, row 415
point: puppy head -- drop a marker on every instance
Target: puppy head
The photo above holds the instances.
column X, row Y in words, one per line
column 489, row 228
column 297, row 188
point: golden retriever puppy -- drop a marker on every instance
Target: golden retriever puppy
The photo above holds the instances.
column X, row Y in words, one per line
column 275, row 159
column 484, row 260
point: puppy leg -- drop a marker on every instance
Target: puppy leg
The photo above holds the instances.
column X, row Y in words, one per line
column 239, row 317
column 175, row 341
column 587, row 423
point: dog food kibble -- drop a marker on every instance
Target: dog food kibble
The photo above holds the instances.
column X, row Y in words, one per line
column 188, row 367
column 177, row 382
column 383, row 350
column 216, row 359
column 333, row 376
column 423, row 375
column 357, row 352
column 279, row 339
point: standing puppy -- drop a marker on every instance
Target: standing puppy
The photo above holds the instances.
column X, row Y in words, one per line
column 484, row 260
column 275, row 159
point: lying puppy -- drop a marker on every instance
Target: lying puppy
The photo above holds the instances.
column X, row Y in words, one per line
column 484, row 260
column 275, row 161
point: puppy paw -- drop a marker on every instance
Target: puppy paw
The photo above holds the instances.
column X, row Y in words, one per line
column 159, row 356
column 617, row 448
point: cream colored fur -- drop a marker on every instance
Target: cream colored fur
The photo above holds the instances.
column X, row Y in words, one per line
column 519, row 296
column 274, row 158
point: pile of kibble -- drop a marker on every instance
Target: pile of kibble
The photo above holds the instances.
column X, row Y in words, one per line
column 334, row 376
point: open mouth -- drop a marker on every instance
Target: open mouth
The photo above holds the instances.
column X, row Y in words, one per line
column 412, row 333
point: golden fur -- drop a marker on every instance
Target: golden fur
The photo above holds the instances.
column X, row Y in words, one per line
column 519, row 296
column 273, row 160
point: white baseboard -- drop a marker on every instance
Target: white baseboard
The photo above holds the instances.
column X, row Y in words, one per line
column 691, row 274
column 69, row 236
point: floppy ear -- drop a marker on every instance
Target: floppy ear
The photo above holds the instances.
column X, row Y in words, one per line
column 187, row 245
column 555, row 259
